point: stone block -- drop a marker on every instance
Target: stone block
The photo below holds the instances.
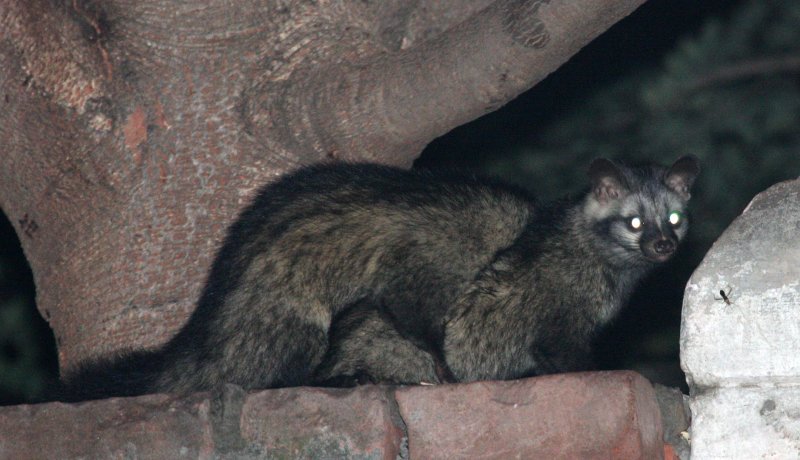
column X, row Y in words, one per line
column 746, row 423
column 756, row 262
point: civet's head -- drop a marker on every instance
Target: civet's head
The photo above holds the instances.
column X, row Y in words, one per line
column 639, row 213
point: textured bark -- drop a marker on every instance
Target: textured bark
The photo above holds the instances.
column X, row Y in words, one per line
column 133, row 132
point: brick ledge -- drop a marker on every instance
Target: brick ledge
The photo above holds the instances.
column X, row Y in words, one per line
column 583, row 415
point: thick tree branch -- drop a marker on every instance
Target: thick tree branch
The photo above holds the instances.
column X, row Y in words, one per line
column 387, row 108
column 61, row 50
column 419, row 20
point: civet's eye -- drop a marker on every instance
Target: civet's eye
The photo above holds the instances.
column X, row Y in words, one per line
column 635, row 223
column 675, row 218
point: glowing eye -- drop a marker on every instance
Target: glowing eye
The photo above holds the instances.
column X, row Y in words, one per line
column 675, row 218
column 635, row 223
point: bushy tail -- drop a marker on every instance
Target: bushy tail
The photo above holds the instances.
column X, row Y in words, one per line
column 130, row 374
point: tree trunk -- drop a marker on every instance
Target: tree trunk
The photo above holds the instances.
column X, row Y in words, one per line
column 132, row 133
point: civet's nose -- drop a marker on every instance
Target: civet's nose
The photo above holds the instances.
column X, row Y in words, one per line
column 664, row 246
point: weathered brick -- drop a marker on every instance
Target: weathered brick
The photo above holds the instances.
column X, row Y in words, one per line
column 148, row 427
column 323, row 423
column 583, row 415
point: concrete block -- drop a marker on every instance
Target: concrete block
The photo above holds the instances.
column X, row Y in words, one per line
column 746, row 423
column 756, row 261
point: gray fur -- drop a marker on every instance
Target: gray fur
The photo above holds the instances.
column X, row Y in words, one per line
column 366, row 348
column 339, row 274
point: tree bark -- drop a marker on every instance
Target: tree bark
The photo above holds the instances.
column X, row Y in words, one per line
column 133, row 132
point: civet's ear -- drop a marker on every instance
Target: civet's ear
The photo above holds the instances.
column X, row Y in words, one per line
column 608, row 184
column 681, row 175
